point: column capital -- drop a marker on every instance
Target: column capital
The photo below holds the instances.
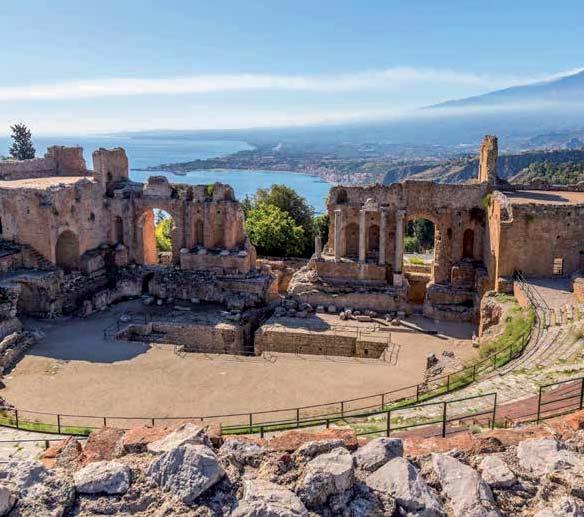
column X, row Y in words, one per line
column 400, row 213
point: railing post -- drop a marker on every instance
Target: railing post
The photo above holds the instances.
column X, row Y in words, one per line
column 328, row 423
column 494, row 411
column 582, row 393
column 297, row 417
column 448, row 383
column 417, row 393
column 250, row 421
column 444, row 419
column 342, row 408
column 16, row 417
column 495, row 361
column 261, row 431
column 104, row 421
column 474, row 372
column 539, row 405
column 382, row 401
column 388, row 430
column 152, row 422
column 58, row 423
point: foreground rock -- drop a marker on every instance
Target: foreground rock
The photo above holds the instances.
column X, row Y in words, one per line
column 564, row 507
column 377, row 453
column 186, row 471
column 403, row 482
column 326, row 475
column 7, row 500
column 241, row 453
column 467, row 493
column 545, row 455
column 496, row 472
column 107, row 477
column 38, row 491
column 185, row 434
column 265, row 499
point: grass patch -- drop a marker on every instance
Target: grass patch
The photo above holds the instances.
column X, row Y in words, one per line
column 416, row 261
column 518, row 323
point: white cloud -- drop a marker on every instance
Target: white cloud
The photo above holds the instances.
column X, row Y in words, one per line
column 346, row 82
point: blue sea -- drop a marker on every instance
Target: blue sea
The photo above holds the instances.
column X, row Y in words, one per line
column 144, row 152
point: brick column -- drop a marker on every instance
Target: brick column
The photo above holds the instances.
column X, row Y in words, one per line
column 382, row 235
column 399, row 248
column 337, row 237
column 362, row 235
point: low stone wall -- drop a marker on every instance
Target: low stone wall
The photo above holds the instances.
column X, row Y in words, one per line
column 352, row 271
column 230, row 263
column 220, row 338
column 58, row 161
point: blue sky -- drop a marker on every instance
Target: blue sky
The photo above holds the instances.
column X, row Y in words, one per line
column 76, row 67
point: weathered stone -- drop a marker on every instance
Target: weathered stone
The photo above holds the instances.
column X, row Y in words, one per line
column 326, row 475
column 38, row 491
column 186, row 471
column 377, row 452
column 402, row 481
column 108, row 477
column 265, row 499
column 542, row 456
column 467, row 493
column 563, row 507
column 241, row 453
column 65, row 453
column 184, row 434
column 312, row 449
column 136, row 439
column 292, row 440
column 7, row 500
column 496, row 472
column 103, row 444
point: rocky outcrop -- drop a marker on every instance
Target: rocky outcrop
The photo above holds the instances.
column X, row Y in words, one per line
column 533, row 471
column 186, row 471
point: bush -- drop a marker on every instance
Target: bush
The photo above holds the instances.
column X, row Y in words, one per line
column 274, row 232
column 518, row 322
column 162, row 233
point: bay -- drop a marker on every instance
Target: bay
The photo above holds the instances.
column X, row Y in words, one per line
column 148, row 152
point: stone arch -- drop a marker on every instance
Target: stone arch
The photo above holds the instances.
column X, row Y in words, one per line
column 373, row 238
column 67, row 251
column 199, row 233
column 468, row 244
column 352, row 240
column 146, row 226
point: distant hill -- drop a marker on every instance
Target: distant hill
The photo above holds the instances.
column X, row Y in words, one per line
column 564, row 90
column 463, row 169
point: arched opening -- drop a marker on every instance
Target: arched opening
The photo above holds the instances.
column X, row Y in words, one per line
column 373, row 239
column 419, row 257
column 199, row 233
column 218, row 226
column 146, row 283
column 157, row 227
column 468, row 244
column 352, row 240
column 67, row 251
column 119, row 230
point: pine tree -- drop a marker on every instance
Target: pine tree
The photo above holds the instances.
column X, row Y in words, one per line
column 21, row 148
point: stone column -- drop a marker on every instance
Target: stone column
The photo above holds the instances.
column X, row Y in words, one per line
column 362, row 235
column 382, row 235
column 337, row 237
column 317, row 247
column 399, row 248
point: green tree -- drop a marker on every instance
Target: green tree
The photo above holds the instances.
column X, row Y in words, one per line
column 21, row 148
column 321, row 227
column 288, row 201
column 162, row 230
column 273, row 231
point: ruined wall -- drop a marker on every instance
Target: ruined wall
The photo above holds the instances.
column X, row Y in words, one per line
column 57, row 161
column 535, row 235
column 488, row 160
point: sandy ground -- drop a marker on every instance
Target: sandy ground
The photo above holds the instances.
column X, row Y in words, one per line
column 74, row 370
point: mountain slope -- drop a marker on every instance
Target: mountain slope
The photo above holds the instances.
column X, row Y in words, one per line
column 567, row 89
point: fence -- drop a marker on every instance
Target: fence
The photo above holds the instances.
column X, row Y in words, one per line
column 296, row 417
